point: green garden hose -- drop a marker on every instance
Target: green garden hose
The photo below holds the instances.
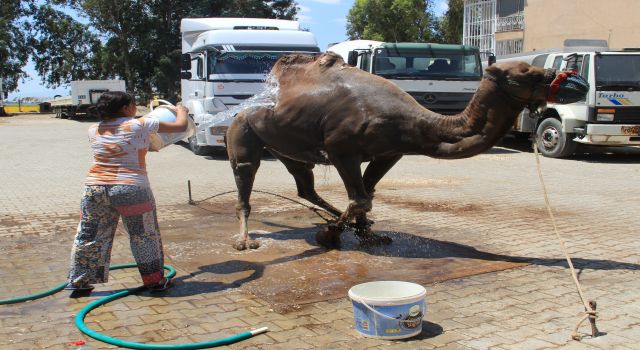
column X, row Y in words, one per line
column 123, row 343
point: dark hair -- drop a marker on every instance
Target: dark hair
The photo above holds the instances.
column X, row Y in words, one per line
column 111, row 102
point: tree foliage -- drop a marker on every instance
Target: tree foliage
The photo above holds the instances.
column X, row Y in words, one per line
column 14, row 41
column 391, row 20
column 136, row 40
column 450, row 26
column 64, row 49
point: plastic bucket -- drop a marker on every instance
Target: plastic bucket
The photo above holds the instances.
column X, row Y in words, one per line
column 161, row 140
column 388, row 309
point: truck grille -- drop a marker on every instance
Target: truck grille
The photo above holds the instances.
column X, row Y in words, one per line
column 627, row 115
column 442, row 102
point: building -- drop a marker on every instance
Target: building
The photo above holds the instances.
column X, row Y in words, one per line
column 506, row 27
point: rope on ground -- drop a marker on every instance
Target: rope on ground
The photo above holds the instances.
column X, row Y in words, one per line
column 316, row 210
column 589, row 307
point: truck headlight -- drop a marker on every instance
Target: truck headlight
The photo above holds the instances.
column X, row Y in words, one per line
column 218, row 130
column 605, row 114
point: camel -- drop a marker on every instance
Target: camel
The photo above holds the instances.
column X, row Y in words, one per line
column 328, row 112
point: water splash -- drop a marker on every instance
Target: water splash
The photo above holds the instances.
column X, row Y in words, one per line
column 266, row 98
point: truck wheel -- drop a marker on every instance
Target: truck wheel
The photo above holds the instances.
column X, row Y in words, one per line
column 551, row 141
column 199, row 150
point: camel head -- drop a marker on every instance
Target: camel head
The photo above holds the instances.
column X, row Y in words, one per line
column 534, row 86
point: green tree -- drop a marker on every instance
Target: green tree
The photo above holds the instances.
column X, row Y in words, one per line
column 450, row 25
column 391, row 20
column 64, row 49
column 14, row 41
column 140, row 39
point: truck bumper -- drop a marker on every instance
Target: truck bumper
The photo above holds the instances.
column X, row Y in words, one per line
column 215, row 135
column 611, row 135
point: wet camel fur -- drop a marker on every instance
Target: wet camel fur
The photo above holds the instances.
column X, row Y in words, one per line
column 327, row 112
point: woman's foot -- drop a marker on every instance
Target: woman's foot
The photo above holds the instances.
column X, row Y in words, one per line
column 164, row 284
column 79, row 287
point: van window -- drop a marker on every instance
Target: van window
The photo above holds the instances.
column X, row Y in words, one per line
column 557, row 62
column 539, row 61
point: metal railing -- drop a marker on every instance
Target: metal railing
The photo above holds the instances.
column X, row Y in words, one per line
column 510, row 23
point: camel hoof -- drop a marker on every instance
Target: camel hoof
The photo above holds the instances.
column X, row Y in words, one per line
column 253, row 244
column 329, row 237
column 240, row 245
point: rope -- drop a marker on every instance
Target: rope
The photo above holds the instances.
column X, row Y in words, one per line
column 589, row 307
column 317, row 211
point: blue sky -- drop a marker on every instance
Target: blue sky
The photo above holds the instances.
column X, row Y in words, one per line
column 325, row 18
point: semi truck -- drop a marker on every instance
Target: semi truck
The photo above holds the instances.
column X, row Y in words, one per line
column 84, row 94
column 608, row 116
column 225, row 61
column 441, row 77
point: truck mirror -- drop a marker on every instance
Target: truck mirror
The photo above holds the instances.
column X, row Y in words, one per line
column 185, row 75
column 352, row 59
column 492, row 59
column 186, row 62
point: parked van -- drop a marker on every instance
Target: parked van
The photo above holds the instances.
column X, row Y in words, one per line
column 608, row 116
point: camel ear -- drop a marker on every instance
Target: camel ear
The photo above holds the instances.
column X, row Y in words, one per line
column 494, row 71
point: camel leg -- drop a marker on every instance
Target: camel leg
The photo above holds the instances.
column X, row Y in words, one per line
column 303, row 174
column 359, row 200
column 376, row 169
column 244, row 148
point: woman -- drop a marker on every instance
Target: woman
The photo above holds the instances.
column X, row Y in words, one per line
column 117, row 185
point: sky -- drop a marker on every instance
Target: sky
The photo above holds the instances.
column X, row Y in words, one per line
column 326, row 19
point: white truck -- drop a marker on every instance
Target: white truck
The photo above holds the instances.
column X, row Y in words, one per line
column 608, row 116
column 225, row 61
column 84, row 94
column 441, row 77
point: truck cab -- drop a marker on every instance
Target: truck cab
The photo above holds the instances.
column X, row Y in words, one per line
column 608, row 116
column 441, row 77
column 225, row 62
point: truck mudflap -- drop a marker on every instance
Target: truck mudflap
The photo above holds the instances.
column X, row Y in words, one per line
column 611, row 135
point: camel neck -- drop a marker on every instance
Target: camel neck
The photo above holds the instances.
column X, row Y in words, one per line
column 488, row 117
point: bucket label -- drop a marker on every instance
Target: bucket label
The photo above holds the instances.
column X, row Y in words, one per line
column 401, row 321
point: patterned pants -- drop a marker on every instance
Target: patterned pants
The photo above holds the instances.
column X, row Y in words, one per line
column 101, row 207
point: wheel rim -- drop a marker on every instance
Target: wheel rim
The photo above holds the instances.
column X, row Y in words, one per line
column 550, row 138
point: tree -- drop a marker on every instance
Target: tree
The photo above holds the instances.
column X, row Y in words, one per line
column 14, row 41
column 450, row 25
column 64, row 49
column 391, row 20
column 140, row 39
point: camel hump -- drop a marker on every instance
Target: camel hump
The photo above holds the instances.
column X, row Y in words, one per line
column 330, row 59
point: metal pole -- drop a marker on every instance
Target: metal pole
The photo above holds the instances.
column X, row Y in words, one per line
column 189, row 188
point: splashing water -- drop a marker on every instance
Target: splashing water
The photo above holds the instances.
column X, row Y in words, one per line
column 266, row 98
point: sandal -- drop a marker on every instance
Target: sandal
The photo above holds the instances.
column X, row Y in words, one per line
column 161, row 286
column 85, row 287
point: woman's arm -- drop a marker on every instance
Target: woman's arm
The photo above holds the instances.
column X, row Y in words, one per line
column 179, row 125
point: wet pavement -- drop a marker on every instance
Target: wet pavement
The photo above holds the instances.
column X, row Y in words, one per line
column 474, row 232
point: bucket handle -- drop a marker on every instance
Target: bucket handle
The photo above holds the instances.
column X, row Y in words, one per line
column 381, row 314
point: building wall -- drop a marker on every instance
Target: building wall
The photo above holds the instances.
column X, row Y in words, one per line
column 549, row 22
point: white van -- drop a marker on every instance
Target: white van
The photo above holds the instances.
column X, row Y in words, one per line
column 608, row 116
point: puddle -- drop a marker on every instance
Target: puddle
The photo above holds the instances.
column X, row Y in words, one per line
column 290, row 270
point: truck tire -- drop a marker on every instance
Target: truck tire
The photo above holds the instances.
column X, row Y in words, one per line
column 199, row 150
column 551, row 141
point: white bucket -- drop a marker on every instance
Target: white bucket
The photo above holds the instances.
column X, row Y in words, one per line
column 388, row 309
column 161, row 140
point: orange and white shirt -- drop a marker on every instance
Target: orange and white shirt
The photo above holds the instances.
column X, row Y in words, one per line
column 119, row 149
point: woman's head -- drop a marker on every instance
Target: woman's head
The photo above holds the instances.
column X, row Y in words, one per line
column 113, row 104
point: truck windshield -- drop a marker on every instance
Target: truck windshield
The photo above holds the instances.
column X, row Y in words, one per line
column 243, row 62
column 617, row 72
column 427, row 64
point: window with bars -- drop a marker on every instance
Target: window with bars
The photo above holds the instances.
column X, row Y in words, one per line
column 508, row 47
column 480, row 25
